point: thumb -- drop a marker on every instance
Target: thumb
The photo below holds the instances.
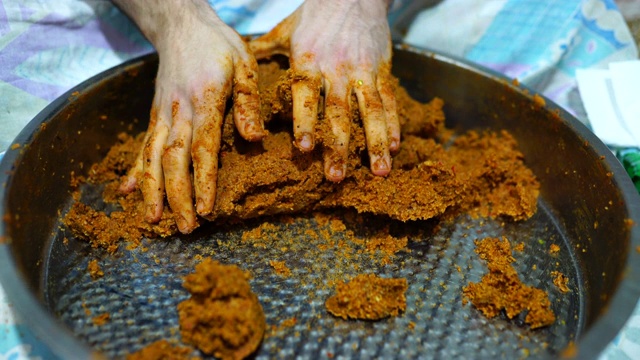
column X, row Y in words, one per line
column 277, row 41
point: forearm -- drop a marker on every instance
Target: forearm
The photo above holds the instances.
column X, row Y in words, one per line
column 162, row 20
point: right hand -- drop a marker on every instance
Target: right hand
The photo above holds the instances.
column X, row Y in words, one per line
column 202, row 63
column 337, row 48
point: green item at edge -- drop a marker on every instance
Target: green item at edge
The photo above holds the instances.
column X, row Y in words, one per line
column 630, row 159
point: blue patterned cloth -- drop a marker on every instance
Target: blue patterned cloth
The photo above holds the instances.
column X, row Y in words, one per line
column 47, row 47
column 541, row 43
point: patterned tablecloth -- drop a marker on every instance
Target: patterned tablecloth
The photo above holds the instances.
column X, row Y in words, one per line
column 47, row 47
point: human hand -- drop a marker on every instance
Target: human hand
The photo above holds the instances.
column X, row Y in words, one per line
column 340, row 48
column 202, row 63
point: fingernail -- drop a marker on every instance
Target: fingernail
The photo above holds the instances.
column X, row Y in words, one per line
column 253, row 131
column 395, row 145
column 201, row 208
column 305, row 142
column 380, row 167
column 127, row 185
column 150, row 214
column 185, row 225
column 336, row 172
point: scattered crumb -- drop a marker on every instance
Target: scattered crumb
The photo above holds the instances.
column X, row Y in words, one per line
column 554, row 249
column 285, row 324
column 571, row 351
column 288, row 322
column 94, row 269
column 368, row 297
column 162, row 350
column 501, row 288
column 628, row 222
column 280, row 267
column 539, row 100
column 101, row 319
column 87, row 311
column 560, row 281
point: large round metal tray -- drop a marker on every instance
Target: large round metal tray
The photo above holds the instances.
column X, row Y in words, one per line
column 587, row 205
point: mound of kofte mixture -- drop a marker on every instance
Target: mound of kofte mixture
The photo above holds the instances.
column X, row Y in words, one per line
column 436, row 175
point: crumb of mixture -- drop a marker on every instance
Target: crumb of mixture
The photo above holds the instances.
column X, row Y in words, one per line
column 560, row 281
column 570, row 352
column 284, row 324
column 223, row 317
column 368, row 297
column 288, row 322
column 280, row 268
column 386, row 243
column 163, row 350
column 501, row 288
column 554, row 249
column 94, row 269
column 101, row 319
column 107, row 231
column 539, row 100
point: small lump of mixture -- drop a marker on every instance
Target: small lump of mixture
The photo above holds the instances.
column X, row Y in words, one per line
column 101, row 319
column 280, row 268
column 223, row 317
column 368, row 297
column 560, row 281
column 162, row 350
column 501, row 288
column 94, row 269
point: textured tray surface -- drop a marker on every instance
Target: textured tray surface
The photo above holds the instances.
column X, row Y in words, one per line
column 141, row 288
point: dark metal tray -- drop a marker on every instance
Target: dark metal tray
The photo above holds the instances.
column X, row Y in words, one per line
column 587, row 207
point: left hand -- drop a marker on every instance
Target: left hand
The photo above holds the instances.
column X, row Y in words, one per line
column 339, row 47
column 202, row 62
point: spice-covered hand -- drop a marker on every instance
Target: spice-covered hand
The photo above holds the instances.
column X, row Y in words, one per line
column 339, row 48
column 202, row 63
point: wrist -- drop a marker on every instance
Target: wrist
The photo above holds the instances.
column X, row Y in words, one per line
column 163, row 21
column 366, row 8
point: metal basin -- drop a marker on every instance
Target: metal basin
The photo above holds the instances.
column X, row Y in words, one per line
column 587, row 203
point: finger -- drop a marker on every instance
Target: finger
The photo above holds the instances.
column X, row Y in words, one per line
column 129, row 182
column 175, row 163
column 386, row 89
column 337, row 113
column 276, row 41
column 152, row 177
column 305, row 94
column 375, row 125
column 208, row 117
column 246, row 100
